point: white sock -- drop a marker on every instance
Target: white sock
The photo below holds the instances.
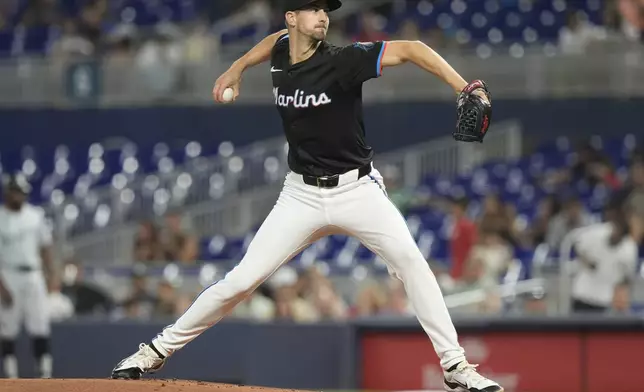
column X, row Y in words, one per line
column 10, row 366
column 46, row 366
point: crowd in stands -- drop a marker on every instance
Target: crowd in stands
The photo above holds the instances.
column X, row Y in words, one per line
column 482, row 250
column 190, row 29
column 170, row 243
column 484, row 234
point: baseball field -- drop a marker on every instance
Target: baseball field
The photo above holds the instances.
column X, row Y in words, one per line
column 107, row 385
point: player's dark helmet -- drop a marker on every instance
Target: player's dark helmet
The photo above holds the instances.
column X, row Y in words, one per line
column 16, row 182
column 294, row 5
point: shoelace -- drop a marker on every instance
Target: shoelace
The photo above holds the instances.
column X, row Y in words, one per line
column 144, row 355
column 471, row 373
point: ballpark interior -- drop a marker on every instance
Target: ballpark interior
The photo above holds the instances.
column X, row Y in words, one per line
column 152, row 192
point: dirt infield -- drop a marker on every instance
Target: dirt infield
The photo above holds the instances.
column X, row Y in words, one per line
column 106, row 385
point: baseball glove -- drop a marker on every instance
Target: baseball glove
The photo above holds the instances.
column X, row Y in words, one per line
column 473, row 113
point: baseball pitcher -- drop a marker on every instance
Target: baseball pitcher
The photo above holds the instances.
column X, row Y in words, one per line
column 332, row 186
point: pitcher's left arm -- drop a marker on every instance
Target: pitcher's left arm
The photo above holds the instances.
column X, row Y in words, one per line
column 418, row 53
column 474, row 107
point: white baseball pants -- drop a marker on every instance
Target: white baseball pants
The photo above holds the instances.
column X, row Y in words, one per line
column 302, row 215
column 30, row 304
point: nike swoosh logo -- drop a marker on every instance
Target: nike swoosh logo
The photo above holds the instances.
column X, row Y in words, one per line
column 273, row 69
column 455, row 384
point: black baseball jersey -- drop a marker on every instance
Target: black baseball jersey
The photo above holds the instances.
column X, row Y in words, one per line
column 320, row 102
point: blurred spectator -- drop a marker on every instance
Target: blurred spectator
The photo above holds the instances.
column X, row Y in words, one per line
column 548, row 208
column 607, row 257
column 536, row 303
column 463, row 238
column 397, row 301
column 184, row 302
column 329, row 304
column 494, row 218
column 593, row 167
column 409, row 30
column 621, row 303
column 603, row 172
column 87, row 298
column 436, row 38
column 60, row 306
column 199, row 45
column 579, row 34
column 130, row 310
column 403, row 197
column 289, row 306
column 517, row 225
column 572, row 216
column 632, row 12
column 489, row 260
column 371, row 28
column 318, row 290
column 179, row 244
column 370, row 301
column 159, row 61
column 71, row 43
column 89, row 23
column 122, row 43
column 590, row 167
column 166, row 300
column 147, row 246
column 140, row 303
column 585, row 156
column 259, row 306
column 632, row 195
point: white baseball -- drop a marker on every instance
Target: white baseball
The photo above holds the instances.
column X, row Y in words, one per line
column 228, row 94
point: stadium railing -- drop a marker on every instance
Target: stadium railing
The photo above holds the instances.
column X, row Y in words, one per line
column 614, row 70
column 241, row 212
column 203, row 179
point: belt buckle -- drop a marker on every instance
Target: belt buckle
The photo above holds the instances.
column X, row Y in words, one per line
column 320, row 181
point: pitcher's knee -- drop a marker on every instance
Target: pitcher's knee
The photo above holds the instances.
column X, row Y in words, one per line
column 413, row 264
column 233, row 285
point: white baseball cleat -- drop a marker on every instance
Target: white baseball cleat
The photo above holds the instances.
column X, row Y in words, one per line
column 465, row 378
column 146, row 360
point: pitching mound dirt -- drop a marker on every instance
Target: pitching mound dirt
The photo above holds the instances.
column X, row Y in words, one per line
column 98, row 385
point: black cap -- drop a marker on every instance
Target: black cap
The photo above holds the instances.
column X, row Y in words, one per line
column 16, row 182
column 294, row 5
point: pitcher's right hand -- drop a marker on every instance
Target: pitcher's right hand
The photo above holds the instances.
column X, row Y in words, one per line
column 230, row 78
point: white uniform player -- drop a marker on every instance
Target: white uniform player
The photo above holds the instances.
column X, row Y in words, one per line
column 332, row 188
column 25, row 258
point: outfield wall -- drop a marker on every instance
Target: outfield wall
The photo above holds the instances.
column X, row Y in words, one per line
column 527, row 354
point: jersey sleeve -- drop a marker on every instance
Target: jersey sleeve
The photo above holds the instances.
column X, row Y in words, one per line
column 359, row 62
column 281, row 43
column 282, row 39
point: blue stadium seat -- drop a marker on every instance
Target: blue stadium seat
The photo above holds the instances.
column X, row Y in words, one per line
column 38, row 39
column 364, row 255
column 6, row 42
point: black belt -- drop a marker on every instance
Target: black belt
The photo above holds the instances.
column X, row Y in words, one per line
column 332, row 181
